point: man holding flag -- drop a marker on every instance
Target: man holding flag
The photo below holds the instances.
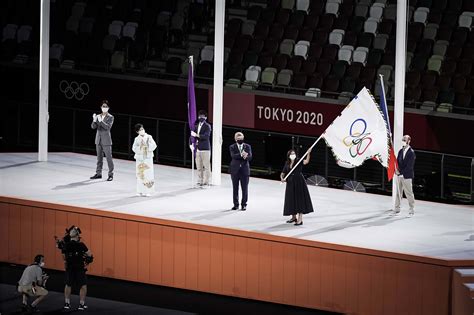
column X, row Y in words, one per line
column 200, row 131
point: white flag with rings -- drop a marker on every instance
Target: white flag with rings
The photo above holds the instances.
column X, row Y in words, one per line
column 359, row 133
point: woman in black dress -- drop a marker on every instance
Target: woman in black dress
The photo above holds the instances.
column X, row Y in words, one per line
column 297, row 199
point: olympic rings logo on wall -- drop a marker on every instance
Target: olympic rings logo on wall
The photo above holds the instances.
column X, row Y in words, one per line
column 74, row 89
column 357, row 141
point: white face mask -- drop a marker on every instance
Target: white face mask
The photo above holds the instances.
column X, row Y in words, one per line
column 141, row 132
column 292, row 157
column 105, row 109
column 42, row 264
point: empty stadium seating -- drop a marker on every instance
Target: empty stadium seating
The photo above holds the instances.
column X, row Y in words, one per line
column 292, row 45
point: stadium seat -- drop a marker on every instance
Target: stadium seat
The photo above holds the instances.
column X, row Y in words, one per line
column 252, row 77
column 286, row 47
column 336, row 37
column 269, row 77
column 284, row 78
column 301, row 48
column 345, row 53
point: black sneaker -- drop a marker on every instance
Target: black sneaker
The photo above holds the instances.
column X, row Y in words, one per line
column 67, row 306
column 96, row 176
column 82, row 307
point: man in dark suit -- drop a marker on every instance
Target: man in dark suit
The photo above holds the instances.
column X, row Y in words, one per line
column 241, row 154
column 202, row 134
column 406, row 163
column 103, row 140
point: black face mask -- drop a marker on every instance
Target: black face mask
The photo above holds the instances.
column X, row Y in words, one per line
column 240, row 141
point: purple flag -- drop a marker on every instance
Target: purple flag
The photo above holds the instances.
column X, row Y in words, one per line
column 191, row 101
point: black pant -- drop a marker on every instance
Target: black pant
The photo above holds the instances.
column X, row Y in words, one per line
column 107, row 150
column 244, row 183
column 76, row 277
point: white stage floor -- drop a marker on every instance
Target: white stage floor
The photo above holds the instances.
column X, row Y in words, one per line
column 341, row 217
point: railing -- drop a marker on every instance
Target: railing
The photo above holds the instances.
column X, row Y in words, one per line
column 439, row 176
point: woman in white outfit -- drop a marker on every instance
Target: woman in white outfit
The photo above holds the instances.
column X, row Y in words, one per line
column 143, row 146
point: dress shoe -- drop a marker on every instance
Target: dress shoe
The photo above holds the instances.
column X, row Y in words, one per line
column 96, row 176
column 235, row 207
column 110, row 178
column 301, row 223
column 244, row 208
column 291, row 220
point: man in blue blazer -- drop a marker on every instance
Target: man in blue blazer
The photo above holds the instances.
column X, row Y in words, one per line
column 406, row 163
column 241, row 154
column 202, row 134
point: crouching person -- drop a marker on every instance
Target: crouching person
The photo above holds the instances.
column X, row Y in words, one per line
column 32, row 283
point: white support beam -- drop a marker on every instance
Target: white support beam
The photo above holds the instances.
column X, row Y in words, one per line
column 400, row 66
column 43, row 82
column 218, row 90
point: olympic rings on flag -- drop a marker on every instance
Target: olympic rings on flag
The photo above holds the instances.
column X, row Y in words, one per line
column 357, row 141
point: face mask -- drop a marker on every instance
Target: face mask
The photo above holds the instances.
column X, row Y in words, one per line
column 202, row 119
column 141, row 132
column 42, row 264
column 105, row 109
column 404, row 143
column 240, row 141
column 292, row 157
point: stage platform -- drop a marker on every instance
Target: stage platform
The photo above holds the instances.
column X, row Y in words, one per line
column 341, row 217
column 350, row 239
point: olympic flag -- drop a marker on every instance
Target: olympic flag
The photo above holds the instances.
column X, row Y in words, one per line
column 359, row 133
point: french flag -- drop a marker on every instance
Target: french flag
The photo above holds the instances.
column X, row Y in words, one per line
column 392, row 160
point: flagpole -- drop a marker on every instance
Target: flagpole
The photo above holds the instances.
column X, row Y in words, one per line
column 307, row 152
column 192, row 166
column 192, row 146
column 394, row 178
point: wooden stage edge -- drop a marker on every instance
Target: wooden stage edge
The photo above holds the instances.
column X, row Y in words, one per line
column 232, row 262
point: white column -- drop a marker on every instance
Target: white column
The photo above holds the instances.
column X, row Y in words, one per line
column 400, row 66
column 218, row 91
column 43, row 82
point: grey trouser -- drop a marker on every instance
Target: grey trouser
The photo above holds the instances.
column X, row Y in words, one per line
column 203, row 164
column 404, row 185
column 107, row 150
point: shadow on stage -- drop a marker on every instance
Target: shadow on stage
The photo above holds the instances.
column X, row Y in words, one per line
column 379, row 219
column 137, row 199
column 18, row 165
column 76, row 184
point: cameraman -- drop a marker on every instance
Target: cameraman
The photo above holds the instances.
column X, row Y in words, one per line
column 76, row 256
column 32, row 283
